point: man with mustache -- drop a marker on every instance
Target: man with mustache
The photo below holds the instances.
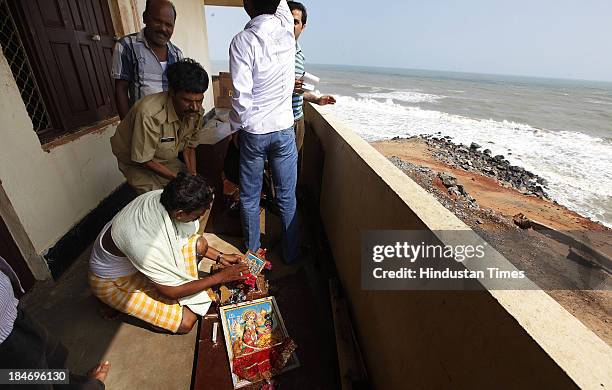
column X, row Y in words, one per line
column 159, row 126
column 140, row 59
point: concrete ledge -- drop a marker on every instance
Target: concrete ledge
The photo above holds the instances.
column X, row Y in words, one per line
column 435, row 339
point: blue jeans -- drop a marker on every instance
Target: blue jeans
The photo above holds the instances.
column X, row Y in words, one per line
column 280, row 151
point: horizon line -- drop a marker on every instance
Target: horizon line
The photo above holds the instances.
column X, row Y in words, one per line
column 456, row 71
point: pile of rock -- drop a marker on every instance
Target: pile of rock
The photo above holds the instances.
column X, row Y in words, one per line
column 408, row 166
column 425, row 178
column 450, row 194
column 472, row 159
column 454, row 189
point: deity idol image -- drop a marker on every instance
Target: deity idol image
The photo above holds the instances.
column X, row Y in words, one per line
column 250, row 334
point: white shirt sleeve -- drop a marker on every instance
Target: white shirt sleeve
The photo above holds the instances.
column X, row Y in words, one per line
column 241, row 69
column 284, row 14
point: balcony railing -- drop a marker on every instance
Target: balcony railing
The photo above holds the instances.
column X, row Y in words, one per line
column 435, row 339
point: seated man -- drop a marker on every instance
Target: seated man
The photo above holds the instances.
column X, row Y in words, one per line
column 144, row 262
column 159, row 126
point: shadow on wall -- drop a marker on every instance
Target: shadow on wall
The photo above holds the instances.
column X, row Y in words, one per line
column 61, row 256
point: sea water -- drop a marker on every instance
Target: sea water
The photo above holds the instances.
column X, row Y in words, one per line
column 558, row 129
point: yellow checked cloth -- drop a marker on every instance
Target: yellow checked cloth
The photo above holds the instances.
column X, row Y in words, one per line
column 137, row 296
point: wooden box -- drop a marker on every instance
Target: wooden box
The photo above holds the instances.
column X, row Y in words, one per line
column 223, row 90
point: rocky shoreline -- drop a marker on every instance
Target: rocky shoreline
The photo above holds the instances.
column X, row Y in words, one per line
column 472, row 159
column 469, row 181
column 448, row 192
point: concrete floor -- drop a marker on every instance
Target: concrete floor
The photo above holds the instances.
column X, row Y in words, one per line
column 140, row 358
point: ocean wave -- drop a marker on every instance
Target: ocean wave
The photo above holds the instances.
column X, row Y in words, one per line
column 364, row 86
column 403, row 96
column 595, row 101
column 577, row 166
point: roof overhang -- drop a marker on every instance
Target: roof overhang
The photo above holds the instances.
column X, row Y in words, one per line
column 225, row 3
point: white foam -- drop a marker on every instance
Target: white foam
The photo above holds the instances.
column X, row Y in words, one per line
column 578, row 167
column 595, row 101
column 404, row 96
column 373, row 88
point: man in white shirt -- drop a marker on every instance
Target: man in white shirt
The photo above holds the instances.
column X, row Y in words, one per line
column 262, row 64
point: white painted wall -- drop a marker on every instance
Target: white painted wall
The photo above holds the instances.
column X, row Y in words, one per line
column 50, row 191
column 191, row 36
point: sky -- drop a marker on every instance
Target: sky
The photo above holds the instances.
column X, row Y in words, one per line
column 542, row 38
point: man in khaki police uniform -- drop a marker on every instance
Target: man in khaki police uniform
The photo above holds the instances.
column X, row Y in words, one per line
column 159, row 126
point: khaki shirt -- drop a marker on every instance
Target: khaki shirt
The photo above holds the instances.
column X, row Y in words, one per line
column 152, row 131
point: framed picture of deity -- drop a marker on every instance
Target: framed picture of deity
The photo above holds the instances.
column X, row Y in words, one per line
column 257, row 342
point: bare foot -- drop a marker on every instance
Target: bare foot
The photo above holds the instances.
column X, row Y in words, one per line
column 107, row 312
column 100, row 371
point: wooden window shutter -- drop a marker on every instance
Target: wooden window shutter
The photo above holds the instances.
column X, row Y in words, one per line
column 71, row 42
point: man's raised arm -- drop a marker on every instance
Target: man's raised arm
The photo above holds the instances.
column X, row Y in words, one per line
column 284, row 13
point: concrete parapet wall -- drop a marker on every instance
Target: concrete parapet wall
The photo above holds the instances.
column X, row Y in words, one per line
column 436, row 339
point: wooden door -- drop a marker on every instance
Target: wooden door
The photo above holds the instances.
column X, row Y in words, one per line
column 102, row 25
column 71, row 40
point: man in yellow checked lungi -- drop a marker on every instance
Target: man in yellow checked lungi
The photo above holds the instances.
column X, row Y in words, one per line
column 145, row 261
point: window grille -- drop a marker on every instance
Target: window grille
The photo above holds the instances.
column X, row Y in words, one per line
column 15, row 54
